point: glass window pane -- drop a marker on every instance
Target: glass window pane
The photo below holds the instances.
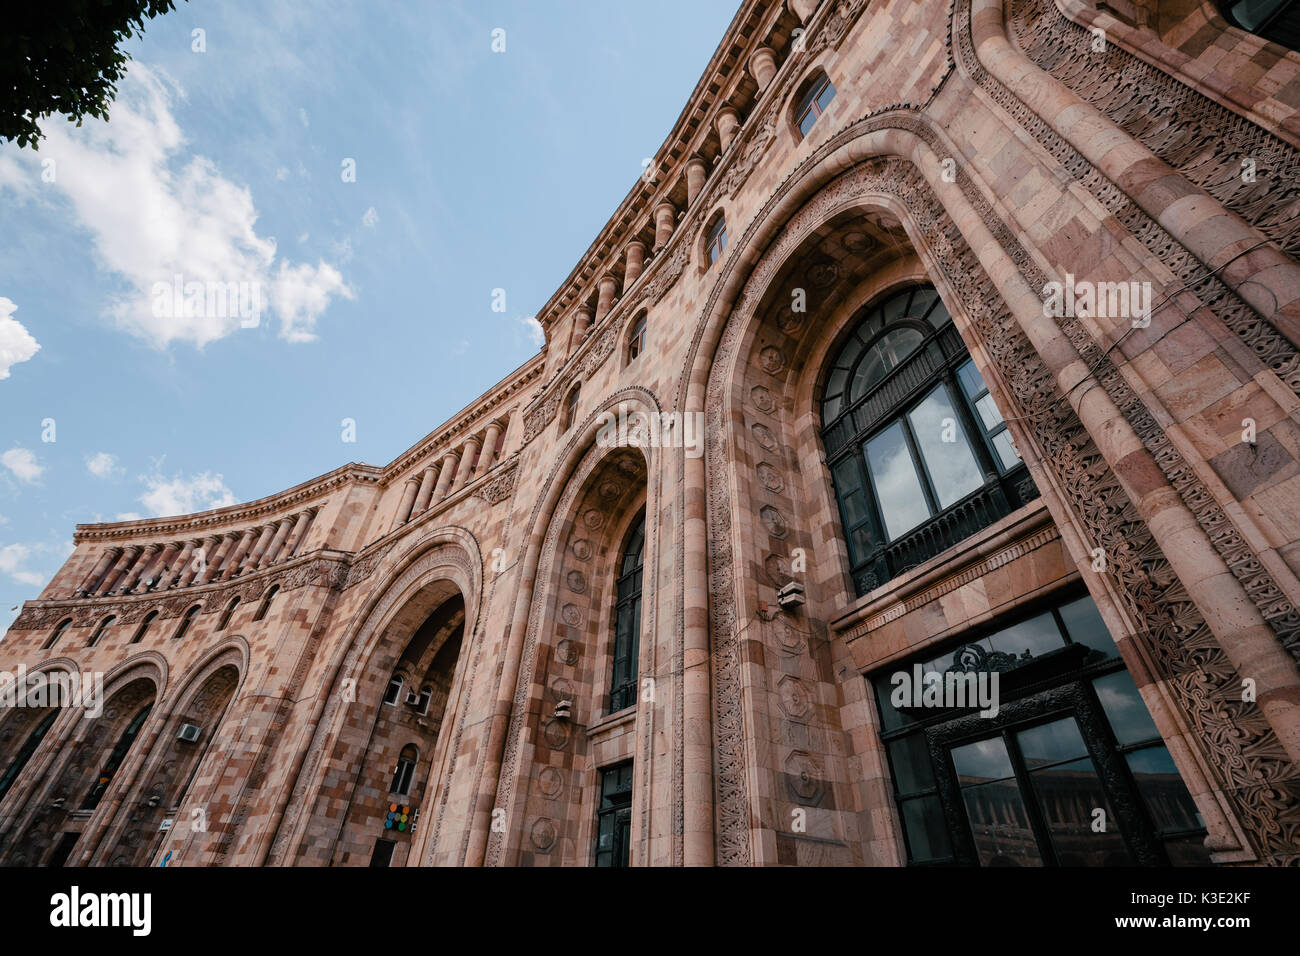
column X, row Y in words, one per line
column 971, row 382
column 860, row 543
column 1006, row 448
column 1128, row 715
column 1051, row 743
column 883, row 358
column 910, row 758
column 982, row 761
column 898, row 487
column 953, row 470
column 927, row 830
column 1069, row 796
column 922, row 300
column 1084, row 624
column 806, row 123
column 1163, row 790
column 827, row 94
column 1000, row 825
column 1037, row 636
column 989, row 413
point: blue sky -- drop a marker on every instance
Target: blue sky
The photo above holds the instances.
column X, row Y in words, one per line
column 474, row 170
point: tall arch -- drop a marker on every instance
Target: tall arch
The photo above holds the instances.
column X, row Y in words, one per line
column 892, row 162
column 418, row 581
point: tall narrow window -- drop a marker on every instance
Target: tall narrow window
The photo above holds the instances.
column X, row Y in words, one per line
column 25, row 754
column 717, row 240
column 919, row 453
column 266, row 602
column 394, row 692
column 636, row 341
column 614, row 818
column 115, row 760
column 404, row 773
column 627, row 620
column 58, row 633
column 226, row 614
column 817, row 95
column 570, row 408
column 186, row 622
column 143, row 629
column 422, row 701
column 100, row 631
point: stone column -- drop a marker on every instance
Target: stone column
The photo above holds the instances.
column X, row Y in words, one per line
column 665, row 220
column 697, row 171
column 408, row 501
column 426, row 490
column 762, row 67
column 191, row 574
column 487, row 457
column 466, row 465
column 803, row 9
column 216, row 558
column 445, row 476
column 124, row 563
column 237, row 558
column 726, row 122
column 605, row 296
column 141, row 565
column 299, row 536
column 273, row 550
column 101, row 567
column 259, row 549
column 180, row 565
column 164, row 565
column 582, row 322
column 634, row 262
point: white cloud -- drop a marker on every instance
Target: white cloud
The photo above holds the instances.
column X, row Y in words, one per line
column 178, row 495
column 302, row 117
column 128, row 516
column 103, row 465
column 22, row 462
column 533, row 329
column 13, row 558
column 371, row 218
column 16, row 343
column 303, row 292
column 155, row 211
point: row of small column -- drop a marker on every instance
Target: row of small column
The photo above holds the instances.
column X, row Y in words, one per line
column 155, row 567
column 448, row 475
column 762, row 66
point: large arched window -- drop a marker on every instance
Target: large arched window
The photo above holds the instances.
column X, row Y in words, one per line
column 918, row 452
column 115, row 760
column 25, row 754
column 627, row 619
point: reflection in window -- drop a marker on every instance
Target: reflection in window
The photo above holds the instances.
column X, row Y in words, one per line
column 1032, row 782
column 717, row 240
column 1275, row 20
column 614, row 817
column 115, row 760
column 918, row 452
column 817, row 96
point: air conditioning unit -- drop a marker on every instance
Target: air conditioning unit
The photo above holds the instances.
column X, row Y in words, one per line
column 412, row 699
column 189, row 733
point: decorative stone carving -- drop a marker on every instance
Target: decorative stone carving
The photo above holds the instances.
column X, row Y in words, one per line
column 773, row 521
column 772, row 360
column 762, row 399
column 770, row 478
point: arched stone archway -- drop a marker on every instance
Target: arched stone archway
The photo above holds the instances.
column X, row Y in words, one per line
column 1164, row 639
column 443, row 567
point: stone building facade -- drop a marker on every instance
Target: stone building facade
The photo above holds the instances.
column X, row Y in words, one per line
column 869, row 441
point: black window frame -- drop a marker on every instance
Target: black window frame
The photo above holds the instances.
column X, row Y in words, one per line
column 614, row 815
column 810, row 103
column 1056, row 684
column 875, row 557
column 626, row 648
column 1280, row 26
